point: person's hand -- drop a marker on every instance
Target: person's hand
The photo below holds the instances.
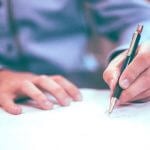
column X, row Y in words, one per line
column 135, row 80
column 15, row 84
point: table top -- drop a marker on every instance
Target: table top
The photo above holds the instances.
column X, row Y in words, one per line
column 83, row 125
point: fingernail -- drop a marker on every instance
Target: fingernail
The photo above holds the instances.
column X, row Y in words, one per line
column 67, row 101
column 79, row 97
column 124, row 83
column 17, row 110
column 47, row 105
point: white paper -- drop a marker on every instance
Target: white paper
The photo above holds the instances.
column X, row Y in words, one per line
column 83, row 125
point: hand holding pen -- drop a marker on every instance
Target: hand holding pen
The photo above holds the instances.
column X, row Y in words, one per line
column 134, row 79
column 130, row 56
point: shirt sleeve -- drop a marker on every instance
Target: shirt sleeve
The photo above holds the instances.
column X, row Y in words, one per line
column 118, row 19
column 127, row 35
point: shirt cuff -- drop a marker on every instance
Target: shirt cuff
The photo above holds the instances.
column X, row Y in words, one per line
column 117, row 51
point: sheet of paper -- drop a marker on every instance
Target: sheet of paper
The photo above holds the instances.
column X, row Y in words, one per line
column 83, row 125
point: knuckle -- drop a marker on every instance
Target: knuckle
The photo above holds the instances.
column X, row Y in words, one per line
column 106, row 74
column 111, row 74
column 58, row 89
column 25, row 84
column 144, row 58
column 58, row 77
column 42, row 78
column 71, row 87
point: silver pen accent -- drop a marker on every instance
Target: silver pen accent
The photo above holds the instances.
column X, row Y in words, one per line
column 113, row 101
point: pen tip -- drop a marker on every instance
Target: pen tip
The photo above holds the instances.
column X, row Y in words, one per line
column 139, row 28
column 112, row 104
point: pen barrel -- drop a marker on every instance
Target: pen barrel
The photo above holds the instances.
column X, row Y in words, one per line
column 133, row 46
column 118, row 89
column 128, row 60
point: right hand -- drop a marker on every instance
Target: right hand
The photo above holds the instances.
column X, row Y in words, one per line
column 14, row 85
column 134, row 80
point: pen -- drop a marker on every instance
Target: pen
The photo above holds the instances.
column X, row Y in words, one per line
column 130, row 55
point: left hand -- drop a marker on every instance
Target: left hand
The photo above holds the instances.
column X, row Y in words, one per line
column 135, row 80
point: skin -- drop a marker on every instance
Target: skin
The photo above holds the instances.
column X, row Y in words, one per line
column 14, row 85
column 135, row 80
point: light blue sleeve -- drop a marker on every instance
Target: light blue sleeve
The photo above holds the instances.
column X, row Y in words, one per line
column 117, row 19
column 124, row 41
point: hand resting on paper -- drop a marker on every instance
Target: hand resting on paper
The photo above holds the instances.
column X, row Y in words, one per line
column 16, row 84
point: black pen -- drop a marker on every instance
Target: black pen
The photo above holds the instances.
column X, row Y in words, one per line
column 130, row 55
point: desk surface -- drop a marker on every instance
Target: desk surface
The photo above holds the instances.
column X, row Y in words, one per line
column 83, row 125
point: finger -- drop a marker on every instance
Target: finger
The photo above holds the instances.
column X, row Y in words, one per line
column 55, row 89
column 9, row 105
column 135, row 68
column 70, row 88
column 30, row 90
column 140, row 85
column 112, row 72
column 120, row 104
column 142, row 96
column 111, row 75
